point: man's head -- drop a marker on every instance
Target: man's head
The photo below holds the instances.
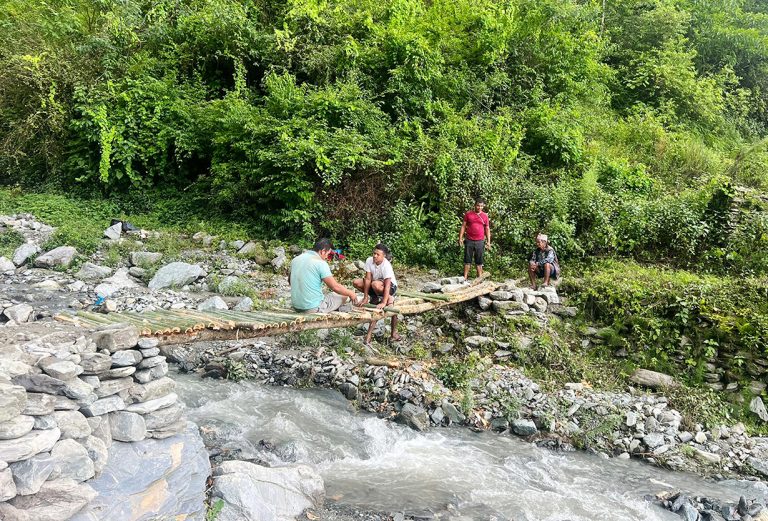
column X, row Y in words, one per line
column 380, row 252
column 323, row 247
column 541, row 241
column 479, row 205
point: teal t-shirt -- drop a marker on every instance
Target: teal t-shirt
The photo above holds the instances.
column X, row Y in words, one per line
column 307, row 273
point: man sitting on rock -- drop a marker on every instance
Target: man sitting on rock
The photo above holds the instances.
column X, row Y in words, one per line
column 379, row 286
column 306, row 276
column 543, row 262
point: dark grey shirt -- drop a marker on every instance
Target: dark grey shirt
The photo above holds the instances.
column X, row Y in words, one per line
column 547, row 255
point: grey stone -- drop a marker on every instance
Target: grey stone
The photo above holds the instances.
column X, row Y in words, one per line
column 501, row 295
column 684, row 437
column 13, row 399
column 149, row 353
column 117, row 282
column 523, row 427
column 431, row 287
column 153, row 405
column 110, row 387
column 16, row 427
column 127, row 426
column 31, row 473
column 104, row 406
column 116, row 338
column 72, row 424
column 28, row 445
column 213, row 304
column 144, row 259
column 255, row 492
column 72, row 461
column 477, row 341
column 114, row 232
column 6, row 265
column 653, row 440
column 45, row 422
column 147, row 375
column 148, row 363
column 91, row 271
column 176, row 274
column 118, row 372
column 167, row 431
column 506, row 305
column 10, row 369
column 452, row 413
column 452, row 288
column 652, row 379
column 97, row 451
column 24, row 252
column 255, row 251
column 414, row 417
column 61, row 369
column 151, row 390
column 19, row 313
column 57, row 500
column 126, row 358
column 437, row 416
column 484, row 303
column 101, row 429
column 91, row 380
column 245, row 304
column 152, row 479
column 707, row 457
column 760, row 466
column 135, row 271
column 95, row 363
column 78, row 390
column 39, row 404
column 148, row 343
column 7, row 486
column 163, row 417
column 61, row 256
column 700, row 437
column 758, row 407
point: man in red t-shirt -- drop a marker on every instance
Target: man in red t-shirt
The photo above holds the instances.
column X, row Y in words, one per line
column 478, row 230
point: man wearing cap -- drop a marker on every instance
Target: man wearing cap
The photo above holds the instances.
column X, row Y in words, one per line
column 543, row 262
column 478, row 230
column 308, row 272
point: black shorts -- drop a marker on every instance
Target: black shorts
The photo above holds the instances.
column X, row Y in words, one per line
column 552, row 271
column 375, row 298
column 473, row 250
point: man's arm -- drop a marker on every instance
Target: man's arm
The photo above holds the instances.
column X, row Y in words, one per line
column 385, row 296
column 338, row 288
column 488, row 234
column 461, row 232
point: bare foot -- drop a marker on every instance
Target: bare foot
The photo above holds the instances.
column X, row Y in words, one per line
column 395, row 337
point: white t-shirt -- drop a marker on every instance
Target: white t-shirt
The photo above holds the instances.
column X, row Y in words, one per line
column 381, row 271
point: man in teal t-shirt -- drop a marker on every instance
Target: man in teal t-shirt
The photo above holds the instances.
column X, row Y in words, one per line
column 308, row 273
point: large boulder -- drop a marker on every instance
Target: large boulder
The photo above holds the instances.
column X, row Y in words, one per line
column 19, row 313
column 27, row 446
column 91, row 271
column 212, row 304
column 6, row 265
column 72, row 461
column 57, row 500
column 144, row 259
column 176, row 275
column 24, row 252
column 255, row 493
column 57, row 257
column 255, row 251
column 116, row 338
column 113, row 232
column 652, row 379
column 117, row 282
column 414, row 417
column 31, row 473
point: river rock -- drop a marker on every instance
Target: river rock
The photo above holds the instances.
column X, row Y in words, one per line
column 28, row 445
column 117, row 338
column 163, row 417
column 452, row 413
column 176, row 275
column 100, row 428
column 72, row 424
column 213, row 304
column 57, row 500
column 40, row 383
column 61, row 256
column 144, row 259
column 245, row 304
column 758, row 407
column 147, row 375
column 97, row 451
column 95, row 363
column 46, row 422
column 78, row 390
column 24, row 252
column 149, row 353
column 16, row 427
column 253, row 492
column 31, row 473
column 7, row 486
column 72, row 461
column 523, row 427
column 13, row 399
column 166, row 431
column 91, row 271
column 39, row 404
column 104, row 406
column 653, row 440
column 110, row 387
column 153, row 405
column 652, row 379
column 61, row 369
column 6, row 265
column 414, row 417
column 119, row 281
column 508, row 305
column 152, row 479
column 127, row 426
column 19, row 313
column 148, row 363
column 151, row 390
column 126, row 358
column 114, row 232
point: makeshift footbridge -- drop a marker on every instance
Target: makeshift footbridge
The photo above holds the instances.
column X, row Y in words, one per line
column 183, row 325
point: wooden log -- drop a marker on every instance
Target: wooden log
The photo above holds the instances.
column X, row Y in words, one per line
column 372, row 360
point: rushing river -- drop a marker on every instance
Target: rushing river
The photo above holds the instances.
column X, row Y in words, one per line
column 375, row 464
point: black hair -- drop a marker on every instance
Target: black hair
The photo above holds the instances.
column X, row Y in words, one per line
column 322, row 244
column 384, row 249
column 479, row 200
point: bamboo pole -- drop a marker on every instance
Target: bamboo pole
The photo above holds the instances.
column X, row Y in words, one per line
column 423, row 296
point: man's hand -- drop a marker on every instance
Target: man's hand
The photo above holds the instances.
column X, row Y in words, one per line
column 364, row 301
column 381, row 305
column 461, row 241
column 357, row 302
column 488, row 247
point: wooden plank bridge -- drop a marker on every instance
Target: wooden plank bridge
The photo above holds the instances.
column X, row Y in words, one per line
column 184, row 325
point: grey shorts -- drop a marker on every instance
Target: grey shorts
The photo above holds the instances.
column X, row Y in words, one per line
column 331, row 302
column 552, row 271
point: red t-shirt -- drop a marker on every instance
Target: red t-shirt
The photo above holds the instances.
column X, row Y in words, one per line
column 476, row 223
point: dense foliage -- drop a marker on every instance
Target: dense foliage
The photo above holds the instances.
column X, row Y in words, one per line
column 627, row 127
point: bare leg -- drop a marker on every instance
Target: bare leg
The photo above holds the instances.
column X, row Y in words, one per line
column 532, row 275
column 547, row 268
column 369, row 335
column 394, row 336
column 358, row 284
column 466, row 271
column 479, row 270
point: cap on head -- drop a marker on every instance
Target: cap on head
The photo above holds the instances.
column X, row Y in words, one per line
column 542, row 237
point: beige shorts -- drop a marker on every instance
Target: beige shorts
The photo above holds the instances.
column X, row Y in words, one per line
column 331, row 302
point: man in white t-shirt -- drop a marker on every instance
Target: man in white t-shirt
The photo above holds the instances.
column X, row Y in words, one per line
column 379, row 286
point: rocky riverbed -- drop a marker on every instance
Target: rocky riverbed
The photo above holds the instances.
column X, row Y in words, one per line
column 210, row 274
